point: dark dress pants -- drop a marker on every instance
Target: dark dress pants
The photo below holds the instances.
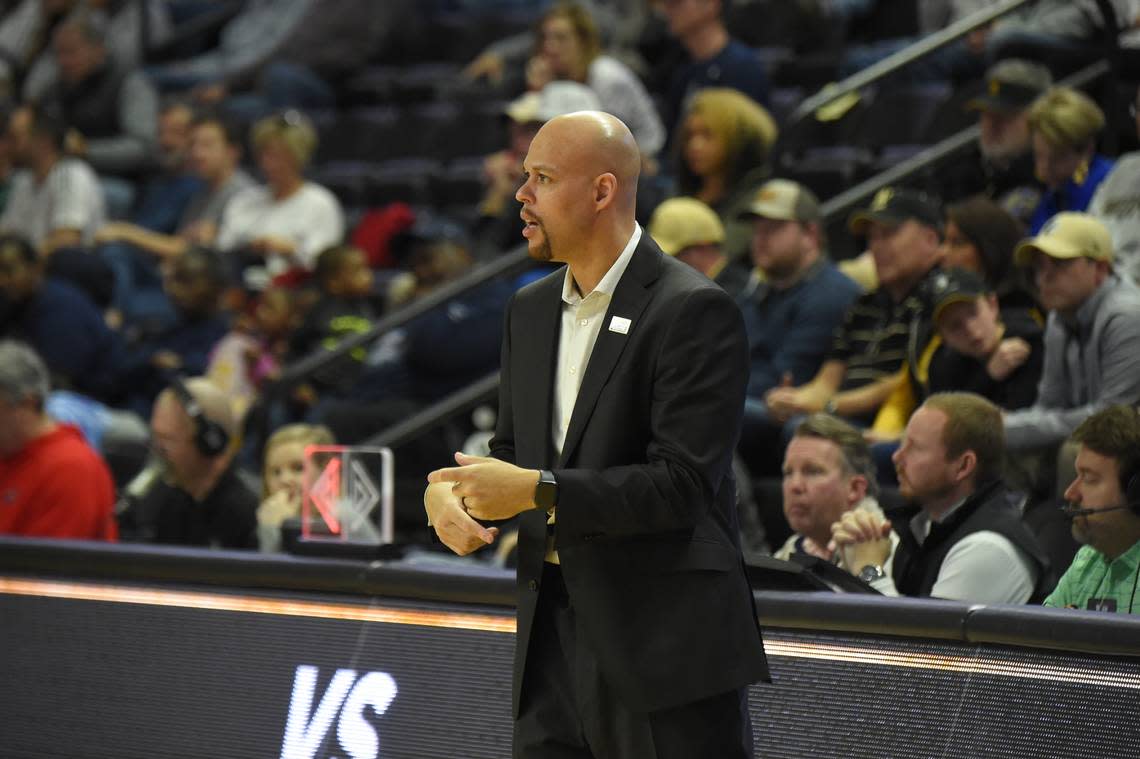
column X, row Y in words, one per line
column 567, row 709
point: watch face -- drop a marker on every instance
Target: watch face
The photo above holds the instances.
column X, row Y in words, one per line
column 870, row 573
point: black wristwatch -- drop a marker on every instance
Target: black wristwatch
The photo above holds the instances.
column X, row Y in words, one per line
column 871, row 572
column 546, row 491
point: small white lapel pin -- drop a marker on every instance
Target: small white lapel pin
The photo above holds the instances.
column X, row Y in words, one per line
column 620, row 325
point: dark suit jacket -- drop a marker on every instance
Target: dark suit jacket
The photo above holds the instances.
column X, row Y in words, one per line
column 647, row 527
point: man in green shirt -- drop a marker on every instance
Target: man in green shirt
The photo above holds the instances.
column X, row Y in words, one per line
column 1104, row 501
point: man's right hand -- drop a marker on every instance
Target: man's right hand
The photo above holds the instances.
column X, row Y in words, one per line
column 451, row 522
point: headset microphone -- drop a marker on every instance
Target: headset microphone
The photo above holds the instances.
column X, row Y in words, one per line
column 1071, row 510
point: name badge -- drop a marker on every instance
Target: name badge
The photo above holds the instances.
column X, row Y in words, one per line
column 620, row 325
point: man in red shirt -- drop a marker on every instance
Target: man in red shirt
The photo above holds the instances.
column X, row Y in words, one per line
column 52, row 484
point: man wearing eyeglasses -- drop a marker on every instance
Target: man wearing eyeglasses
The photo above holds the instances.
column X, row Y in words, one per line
column 1092, row 338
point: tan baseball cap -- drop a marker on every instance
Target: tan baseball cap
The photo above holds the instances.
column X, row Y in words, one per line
column 555, row 99
column 1068, row 235
column 784, row 200
column 679, row 223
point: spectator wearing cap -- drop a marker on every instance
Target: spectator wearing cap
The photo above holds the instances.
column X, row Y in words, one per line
column 793, row 310
column 1002, row 166
column 691, row 232
column 722, row 149
column 994, row 352
column 1116, row 203
column 713, row 57
column 287, row 222
column 54, row 484
column 1065, row 124
column 1092, row 336
column 980, row 237
column 883, row 332
column 498, row 227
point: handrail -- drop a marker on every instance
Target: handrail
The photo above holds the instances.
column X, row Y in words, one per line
column 480, row 391
column 904, row 57
column 934, row 154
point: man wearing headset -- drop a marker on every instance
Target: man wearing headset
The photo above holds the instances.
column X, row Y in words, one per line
column 1104, row 501
column 200, row 500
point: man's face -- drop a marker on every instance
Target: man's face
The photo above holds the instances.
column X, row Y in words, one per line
column 12, row 421
column 556, row 194
column 1054, row 165
column 172, row 438
column 188, row 286
column 353, row 279
column 686, row 16
column 902, row 252
column 277, row 162
column 76, row 55
column 1097, row 486
column 1005, row 135
column 522, row 135
column 20, row 137
column 924, row 471
column 972, row 328
column 779, row 246
column 211, row 156
column 174, row 136
column 1063, row 284
column 19, row 278
column 817, row 491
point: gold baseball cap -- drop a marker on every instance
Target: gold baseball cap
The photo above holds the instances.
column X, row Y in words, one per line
column 679, row 223
column 1068, row 235
column 784, row 200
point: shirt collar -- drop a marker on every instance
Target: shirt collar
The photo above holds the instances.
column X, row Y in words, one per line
column 1086, row 313
column 921, row 523
column 608, row 283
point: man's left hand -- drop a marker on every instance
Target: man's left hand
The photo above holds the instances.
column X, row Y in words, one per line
column 488, row 488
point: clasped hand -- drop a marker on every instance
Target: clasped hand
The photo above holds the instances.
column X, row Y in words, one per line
column 488, row 488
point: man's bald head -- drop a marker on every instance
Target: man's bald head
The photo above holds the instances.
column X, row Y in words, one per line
column 600, row 144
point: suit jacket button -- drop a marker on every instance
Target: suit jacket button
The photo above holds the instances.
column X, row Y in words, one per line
column 532, row 585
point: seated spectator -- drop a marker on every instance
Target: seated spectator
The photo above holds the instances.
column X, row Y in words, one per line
column 56, row 201
column 1065, row 124
column 122, row 21
column 1001, row 167
column 1058, row 31
column 282, row 478
column 343, row 310
column 792, row 314
column 713, row 57
column 498, row 228
column 253, row 351
column 25, row 37
column 288, row 221
column 827, row 472
column 568, row 46
column 54, row 484
column 1105, row 499
column 1092, row 337
column 213, row 161
column 200, row 500
column 961, row 536
column 281, row 54
column 111, row 110
column 193, row 282
column 690, row 231
column 58, row 321
column 980, row 237
column 994, row 352
column 1116, row 203
column 884, row 331
column 722, row 152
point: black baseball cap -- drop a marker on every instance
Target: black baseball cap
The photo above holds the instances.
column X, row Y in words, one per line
column 952, row 286
column 894, row 205
column 1011, row 86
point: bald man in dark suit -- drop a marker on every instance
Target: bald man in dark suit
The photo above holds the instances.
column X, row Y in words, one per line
column 623, row 379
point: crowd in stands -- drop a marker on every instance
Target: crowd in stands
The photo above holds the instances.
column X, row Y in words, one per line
column 194, row 200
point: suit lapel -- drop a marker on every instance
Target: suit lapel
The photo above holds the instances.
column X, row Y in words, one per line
column 629, row 300
column 539, row 352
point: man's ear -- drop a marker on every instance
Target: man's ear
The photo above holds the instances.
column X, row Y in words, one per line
column 967, row 465
column 605, row 190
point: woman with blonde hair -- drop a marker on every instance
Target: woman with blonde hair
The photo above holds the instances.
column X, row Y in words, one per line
column 1064, row 125
column 282, row 477
column 568, row 46
column 287, row 221
column 723, row 143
